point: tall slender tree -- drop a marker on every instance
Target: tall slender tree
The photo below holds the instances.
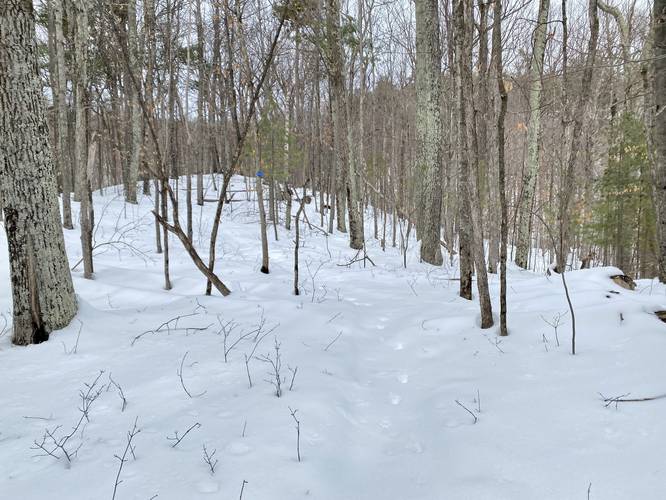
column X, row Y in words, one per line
column 429, row 127
column 533, row 129
column 659, row 125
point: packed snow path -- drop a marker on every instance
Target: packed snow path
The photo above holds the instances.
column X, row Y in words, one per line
column 387, row 358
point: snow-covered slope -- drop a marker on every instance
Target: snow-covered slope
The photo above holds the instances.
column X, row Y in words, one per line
column 386, row 357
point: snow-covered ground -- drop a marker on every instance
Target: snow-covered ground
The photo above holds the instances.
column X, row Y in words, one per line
column 380, row 408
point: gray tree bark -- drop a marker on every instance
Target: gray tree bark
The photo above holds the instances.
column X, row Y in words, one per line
column 135, row 110
column 463, row 25
column 568, row 181
column 429, row 128
column 340, row 130
column 42, row 290
column 499, row 70
column 659, row 126
column 63, row 159
column 80, row 139
column 533, row 128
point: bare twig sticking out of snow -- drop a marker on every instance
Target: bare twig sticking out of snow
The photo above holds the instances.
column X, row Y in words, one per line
column 121, row 394
column 177, row 439
column 333, row 341
column 624, row 399
column 209, row 459
column 249, row 357
column 57, row 447
column 411, row 285
column 227, row 328
column 298, row 432
column 555, row 323
column 5, row 325
column 293, row 376
column 275, row 363
column 115, row 244
column 468, row 410
column 242, row 489
column 124, row 458
column 333, row 317
column 74, row 349
column 313, row 278
column 495, row 343
column 358, row 258
column 182, row 382
column 172, row 325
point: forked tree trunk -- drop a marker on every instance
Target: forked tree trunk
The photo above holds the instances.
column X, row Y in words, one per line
column 468, row 179
column 42, row 290
column 429, row 128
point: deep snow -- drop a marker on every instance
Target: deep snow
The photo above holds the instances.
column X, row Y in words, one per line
column 377, row 407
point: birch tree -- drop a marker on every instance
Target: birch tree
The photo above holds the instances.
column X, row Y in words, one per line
column 533, row 129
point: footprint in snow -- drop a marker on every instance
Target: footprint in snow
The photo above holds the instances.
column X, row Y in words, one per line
column 208, row 487
column 238, row 449
column 403, row 378
column 395, row 399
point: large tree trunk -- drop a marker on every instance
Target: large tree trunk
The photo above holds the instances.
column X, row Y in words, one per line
column 532, row 167
column 42, row 290
column 429, row 128
column 345, row 167
column 659, row 126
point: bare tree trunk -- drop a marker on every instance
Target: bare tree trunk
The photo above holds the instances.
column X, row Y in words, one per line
column 568, row 181
column 659, row 126
column 429, row 128
column 135, row 110
column 42, row 291
column 499, row 69
column 531, row 169
column 62, row 151
column 464, row 31
column 345, row 167
column 465, row 235
column 80, row 141
column 201, row 100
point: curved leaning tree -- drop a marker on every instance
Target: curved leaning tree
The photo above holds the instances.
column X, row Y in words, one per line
column 42, row 290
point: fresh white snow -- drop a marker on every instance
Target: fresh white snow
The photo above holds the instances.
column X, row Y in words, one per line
column 377, row 407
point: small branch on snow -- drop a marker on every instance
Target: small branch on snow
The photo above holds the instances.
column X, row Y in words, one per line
column 128, row 448
column 623, row 399
column 468, row 410
column 209, row 459
column 182, row 382
column 177, row 439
